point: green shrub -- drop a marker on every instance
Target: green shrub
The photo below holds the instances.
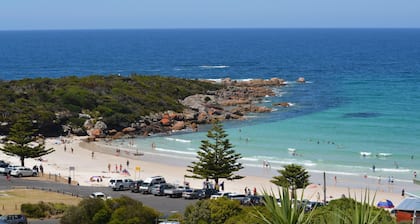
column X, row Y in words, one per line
column 43, row 209
column 33, row 211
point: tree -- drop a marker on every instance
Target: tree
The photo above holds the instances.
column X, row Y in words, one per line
column 292, row 176
column 21, row 142
column 216, row 158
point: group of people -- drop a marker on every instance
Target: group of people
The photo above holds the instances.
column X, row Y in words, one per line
column 39, row 169
column 247, row 191
column 71, row 148
column 116, row 167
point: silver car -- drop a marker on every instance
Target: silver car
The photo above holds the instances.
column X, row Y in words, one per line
column 23, row 172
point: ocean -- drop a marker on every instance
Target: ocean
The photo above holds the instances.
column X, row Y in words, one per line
column 359, row 107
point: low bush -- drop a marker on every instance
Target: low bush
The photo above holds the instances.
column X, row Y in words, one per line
column 43, row 209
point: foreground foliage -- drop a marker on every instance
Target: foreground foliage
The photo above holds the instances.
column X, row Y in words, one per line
column 21, row 135
column 119, row 100
column 123, row 210
column 216, row 158
column 220, row 211
column 348, row 211
column 284, row 211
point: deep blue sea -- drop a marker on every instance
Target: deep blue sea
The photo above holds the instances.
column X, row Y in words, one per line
column 362, row 94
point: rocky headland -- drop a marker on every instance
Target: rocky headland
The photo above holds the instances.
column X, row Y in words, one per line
column 234, row 101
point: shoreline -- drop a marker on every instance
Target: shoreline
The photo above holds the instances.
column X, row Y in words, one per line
column 87, row 166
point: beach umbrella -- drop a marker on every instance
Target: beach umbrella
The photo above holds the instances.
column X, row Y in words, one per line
column 385, row 204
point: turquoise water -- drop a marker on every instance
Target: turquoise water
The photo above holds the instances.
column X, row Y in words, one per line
column 373, row 119
column 362, row 96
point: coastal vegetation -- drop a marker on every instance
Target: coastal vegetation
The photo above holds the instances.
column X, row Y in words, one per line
column 221, row 211
column 22, row 141
column 216, row 159
column 116, row 100
column 285, row 210
column 292, row 176
column 122, row 210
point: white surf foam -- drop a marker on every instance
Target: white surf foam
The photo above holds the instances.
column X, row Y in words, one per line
column 178, row 140
column 250, row 159
column 213, row 66
column 176, row 151
column 394, row 170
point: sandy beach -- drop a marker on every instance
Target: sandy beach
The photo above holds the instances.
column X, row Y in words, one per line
column 93, row 164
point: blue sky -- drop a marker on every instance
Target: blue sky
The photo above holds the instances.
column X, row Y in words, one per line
column 129, row 14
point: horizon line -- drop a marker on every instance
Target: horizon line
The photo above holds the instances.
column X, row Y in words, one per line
column 221, row 28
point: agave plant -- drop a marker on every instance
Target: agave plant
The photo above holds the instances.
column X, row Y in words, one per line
column 363, row 211
column 284, row 211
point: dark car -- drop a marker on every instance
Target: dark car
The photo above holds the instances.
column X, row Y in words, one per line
column 192, row 193
column 135, row 186
column 253, row 200
column 14, row 219
column 310, row 205
column 207, row 192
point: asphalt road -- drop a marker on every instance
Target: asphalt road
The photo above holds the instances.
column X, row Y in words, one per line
column 165, row 205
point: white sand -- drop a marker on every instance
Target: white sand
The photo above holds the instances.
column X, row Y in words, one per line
column 86, row 166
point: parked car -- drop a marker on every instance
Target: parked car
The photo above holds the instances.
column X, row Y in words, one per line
column 159, row 189
column 7, row 169
column 99, row 195
column 23, row 172
column 175, row 192
column 3, row 167
column 238, row 197
column 219, row 195
column 192, row 193
column 253, row 200
column 14, row 219
column 310, row 205
column 207, row 193
column 135, row 186
column 148, row 183
column 120, row 184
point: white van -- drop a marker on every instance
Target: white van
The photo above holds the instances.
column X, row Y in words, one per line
column 147, row 184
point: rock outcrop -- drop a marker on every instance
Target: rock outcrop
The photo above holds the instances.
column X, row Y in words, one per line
column 234, row 101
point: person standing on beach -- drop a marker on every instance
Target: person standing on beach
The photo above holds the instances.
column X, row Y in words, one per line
column 373, row 168
column 128, row 163
column 41, row 168
column 120, row 167
column 93, row 154
column 72, row 149
column 65, row 149
column 109, row 167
